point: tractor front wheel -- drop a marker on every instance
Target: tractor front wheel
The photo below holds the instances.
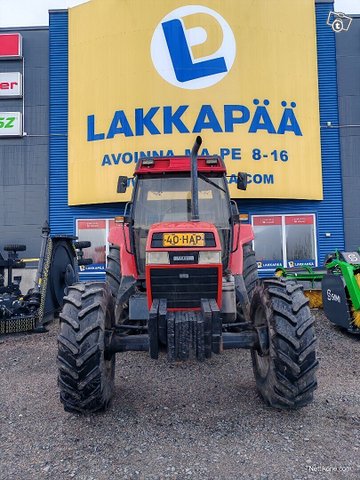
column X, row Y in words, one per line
column 285, row 365
column 86, row 372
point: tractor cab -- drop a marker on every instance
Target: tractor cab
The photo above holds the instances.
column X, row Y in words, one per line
column 162, row 193
column 181, row 189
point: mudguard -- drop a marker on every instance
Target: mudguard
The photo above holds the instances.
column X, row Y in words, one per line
column 243, row 233
column 120, row 235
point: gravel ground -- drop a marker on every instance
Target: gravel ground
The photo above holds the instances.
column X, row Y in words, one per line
column 183, row 421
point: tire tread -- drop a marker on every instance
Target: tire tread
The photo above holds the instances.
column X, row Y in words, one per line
column 85, row 377
column 290, row 381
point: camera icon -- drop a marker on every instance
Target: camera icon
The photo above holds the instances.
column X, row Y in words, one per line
column 339, row 21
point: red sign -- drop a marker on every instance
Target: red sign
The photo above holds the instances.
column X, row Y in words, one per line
column 91, row 224
column 10, row 45
column 268, row 220
column 299, row 220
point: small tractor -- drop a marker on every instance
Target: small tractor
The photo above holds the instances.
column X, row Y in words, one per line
column 58, row 264
column 182, row 279
column 335, row 288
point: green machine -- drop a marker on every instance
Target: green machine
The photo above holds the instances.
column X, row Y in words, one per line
column 335, row 288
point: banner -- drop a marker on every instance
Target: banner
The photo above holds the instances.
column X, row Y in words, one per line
column 10, row 85
column 241, row 74
column 11, row 124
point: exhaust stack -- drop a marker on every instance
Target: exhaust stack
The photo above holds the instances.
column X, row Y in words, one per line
column 194, row 181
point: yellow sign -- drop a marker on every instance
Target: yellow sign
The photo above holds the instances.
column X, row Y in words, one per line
column 242, row 74
column 184, row 240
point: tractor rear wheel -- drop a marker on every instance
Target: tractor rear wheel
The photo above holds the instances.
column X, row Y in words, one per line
column 113, row 270
column 285, row 368
column 250, row 271
column 250, row 275
column 86, row 373
column 113, row 277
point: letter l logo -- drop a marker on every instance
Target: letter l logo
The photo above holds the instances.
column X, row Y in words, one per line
column 184, row 67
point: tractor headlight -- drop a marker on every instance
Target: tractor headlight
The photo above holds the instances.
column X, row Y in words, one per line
column 209, row 257
column 157, row 258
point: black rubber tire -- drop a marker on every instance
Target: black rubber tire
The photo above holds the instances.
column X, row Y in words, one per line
column 113, row 277
column 10, row 247
column 83, row 244
column 86, row 375
column 250, row 270
column 250, row 274
column 285, row 374
column 113, row 270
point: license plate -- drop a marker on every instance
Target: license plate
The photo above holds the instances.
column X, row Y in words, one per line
column 184, row 239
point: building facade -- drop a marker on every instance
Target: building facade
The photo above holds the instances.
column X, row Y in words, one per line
column 75, row 115
column 348, row 64
column 288, row 231
column 24, row 148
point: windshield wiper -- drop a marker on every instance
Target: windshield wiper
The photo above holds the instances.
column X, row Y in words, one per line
column 207, row 180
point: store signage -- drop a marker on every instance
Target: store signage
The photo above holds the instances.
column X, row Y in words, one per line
column 268, row 220
column 10, row 85
column 10, row 46
column 11, row 124
column 299, row 220
column 179, row 72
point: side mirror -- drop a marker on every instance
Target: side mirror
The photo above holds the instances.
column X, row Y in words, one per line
column 122, row 184
column 242, row 181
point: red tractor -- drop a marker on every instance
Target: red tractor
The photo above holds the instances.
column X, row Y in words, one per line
column 182, row 279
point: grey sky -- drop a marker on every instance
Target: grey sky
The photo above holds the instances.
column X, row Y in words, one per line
column 21, row 13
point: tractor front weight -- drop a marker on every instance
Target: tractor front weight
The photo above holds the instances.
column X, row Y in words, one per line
column 186, row 334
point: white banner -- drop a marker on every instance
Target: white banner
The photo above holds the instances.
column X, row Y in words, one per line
column 11, row 124
column 10, row 85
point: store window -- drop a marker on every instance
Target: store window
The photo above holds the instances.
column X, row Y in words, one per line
column 268, row 240
column 96, row 231
column 287, row 240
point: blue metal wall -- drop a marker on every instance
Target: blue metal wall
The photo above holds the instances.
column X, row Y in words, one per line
column 329, row 212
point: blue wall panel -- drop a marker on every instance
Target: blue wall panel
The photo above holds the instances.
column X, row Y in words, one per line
column 329, row 213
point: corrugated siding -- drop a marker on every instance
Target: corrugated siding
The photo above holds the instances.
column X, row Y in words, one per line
column 329, row 213
column 24, row 187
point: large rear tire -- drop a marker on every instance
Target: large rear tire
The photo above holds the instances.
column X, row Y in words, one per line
column 113, row 270
column 250, row 271
column 285, row 371
column 250, row 275
column 86, row 374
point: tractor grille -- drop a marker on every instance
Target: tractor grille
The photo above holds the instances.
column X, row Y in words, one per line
column 184, row 287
